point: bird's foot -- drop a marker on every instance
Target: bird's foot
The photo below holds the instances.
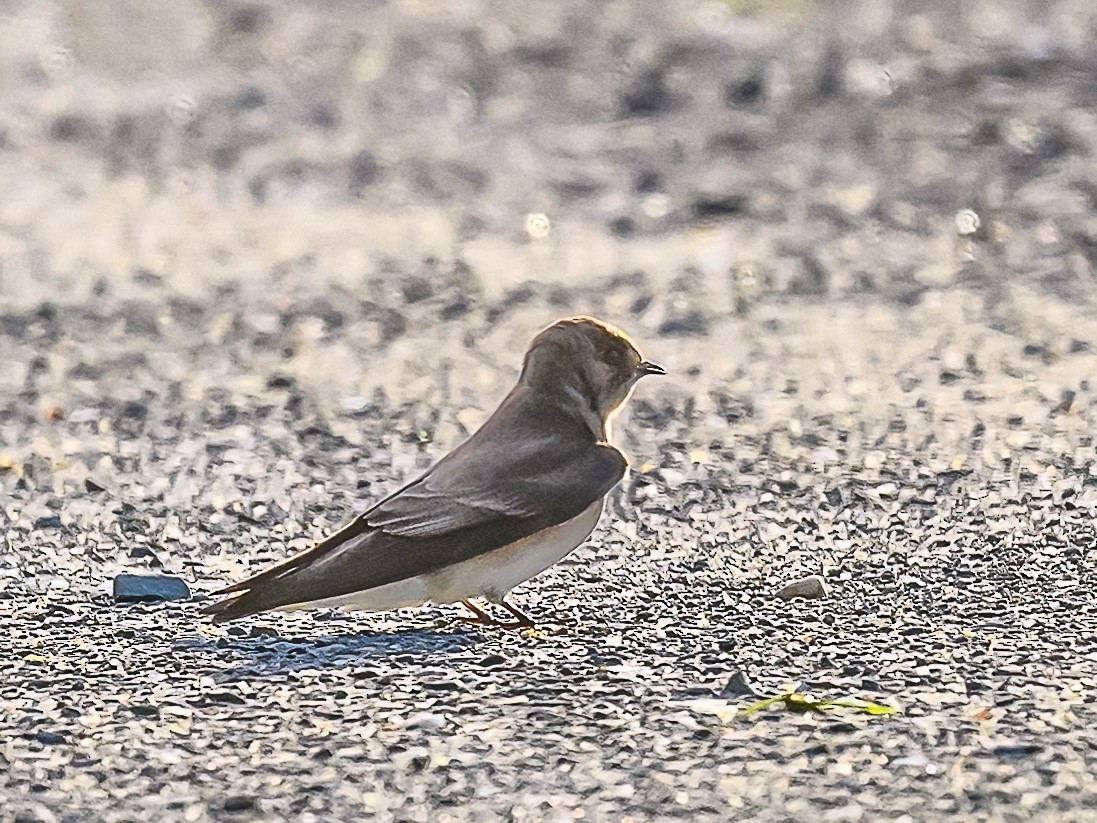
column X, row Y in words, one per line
column 522, row 620
column 482, row 618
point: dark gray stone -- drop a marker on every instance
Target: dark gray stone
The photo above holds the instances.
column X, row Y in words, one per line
column 134, row 588
column 239, row 803
column 738, row 685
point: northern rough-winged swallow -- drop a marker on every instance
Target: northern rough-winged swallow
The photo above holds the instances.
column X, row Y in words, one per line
column 519, row 495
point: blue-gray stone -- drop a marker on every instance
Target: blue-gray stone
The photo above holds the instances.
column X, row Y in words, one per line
column 132, row 588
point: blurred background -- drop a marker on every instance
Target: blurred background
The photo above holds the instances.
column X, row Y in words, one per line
column 843, row 211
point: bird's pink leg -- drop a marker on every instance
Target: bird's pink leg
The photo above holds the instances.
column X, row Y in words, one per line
column 481, row 616
column 523, row 620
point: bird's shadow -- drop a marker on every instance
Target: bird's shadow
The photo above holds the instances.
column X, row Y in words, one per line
column 266, row 655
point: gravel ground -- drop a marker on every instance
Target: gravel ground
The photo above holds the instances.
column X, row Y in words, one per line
column 260, row 274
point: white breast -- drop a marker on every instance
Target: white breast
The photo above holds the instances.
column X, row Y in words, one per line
column 494, row 574
column 490, row 575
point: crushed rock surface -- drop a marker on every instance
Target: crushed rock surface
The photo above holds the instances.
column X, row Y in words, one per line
column 235, row 310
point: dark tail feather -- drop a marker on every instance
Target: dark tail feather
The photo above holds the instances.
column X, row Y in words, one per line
column 252, row 595
column 233, row 608
column 259, row 593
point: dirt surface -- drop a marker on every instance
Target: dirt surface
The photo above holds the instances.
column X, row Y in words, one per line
column 261, row 263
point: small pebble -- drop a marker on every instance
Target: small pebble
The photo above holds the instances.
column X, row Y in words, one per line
column 737, row 685
column 810, row 588
column 967, row 222
column 239, row 803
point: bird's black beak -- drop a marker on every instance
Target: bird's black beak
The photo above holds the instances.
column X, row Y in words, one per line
column 647, row 367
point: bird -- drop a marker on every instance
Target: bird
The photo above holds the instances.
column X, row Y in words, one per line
column 524, row 491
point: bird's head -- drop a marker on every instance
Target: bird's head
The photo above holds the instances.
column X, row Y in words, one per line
column 591, row 361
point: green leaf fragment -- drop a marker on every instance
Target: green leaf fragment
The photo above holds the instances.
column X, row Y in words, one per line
column 805, row 702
